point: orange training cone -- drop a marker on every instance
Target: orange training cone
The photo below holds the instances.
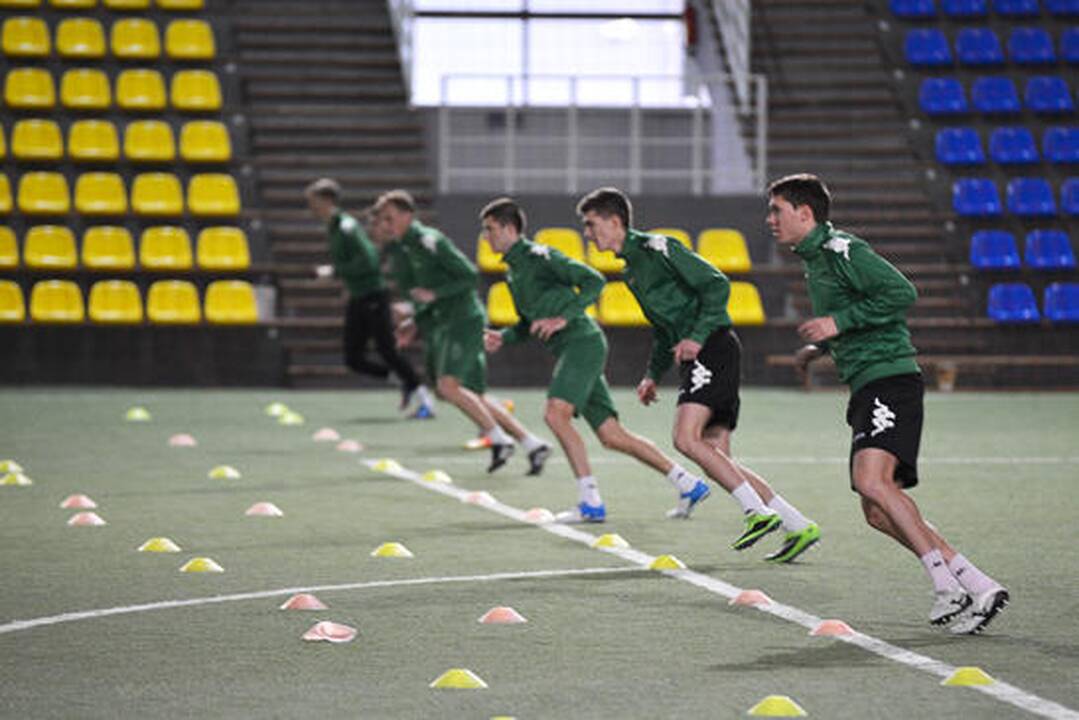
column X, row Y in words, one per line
column 502, row 615
column 831, row 628
column 303, row 601
column 751, row 597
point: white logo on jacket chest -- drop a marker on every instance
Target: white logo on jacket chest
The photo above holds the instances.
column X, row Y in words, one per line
column 657, row 243
column 348, row 224
column 429, row 241
column 840, row 246
column 883, row 418
column 544, row 251
column 699, row 377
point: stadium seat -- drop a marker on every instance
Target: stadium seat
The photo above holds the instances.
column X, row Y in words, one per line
column 9, row 248
column 180, row 4
column 1048, row 94
column 1069, row 45
column 223, row 248
column 976, row 197
column 29, row 89
column 26, row 37
column 213, row 195
column 149, row 141
column 3, row 145
column 231, row 302
column 1062, row 303
column 1013, row 146
column 196, row 91
column 93, row 141
column 115, row 302
column 995, row 95
column 1031, row 46
column 959, row 146
column 51, row 247
column 677, row 233
column 37, row 140
column 725, row 248
column 965, row 8
column 979, row 47
column 1063, row 8
column 44, row 193
column 56, row 301
column 12, row 306
column 5, row 194
column 604, row 261
column 942, row 96
column 927, row 47
column 100, row 193
column 501, row 311
column 1049, row 250
column 1031, row 197
column 80, row 38
column 1016, row 8
column 994, row 250
column 913, row 9
column 1069, row 197
column 157, row 194
column 173, row 302
column 108, row 247
column 135, row 39
column 744, row 305
column 1013, row 303
column 165, row 248
column 85, row 89
column 127, row 4
column 140, row 90
column 618, row 307
column 189, row 40
column 567, row 240
column 205, row 141
column 73, row 4
column 487, row 260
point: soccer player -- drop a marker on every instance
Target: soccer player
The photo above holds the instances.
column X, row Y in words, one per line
column 441, row 282
column 860, row 303
column 685, row 299
column 367, row 314
column 551, row 292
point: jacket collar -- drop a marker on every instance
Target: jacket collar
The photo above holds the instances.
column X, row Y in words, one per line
column 809, row 247
column 635, row 239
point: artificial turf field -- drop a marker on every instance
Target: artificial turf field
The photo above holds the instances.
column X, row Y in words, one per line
column 999, row 474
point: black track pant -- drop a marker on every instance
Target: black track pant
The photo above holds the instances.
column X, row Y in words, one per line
column 368, row 318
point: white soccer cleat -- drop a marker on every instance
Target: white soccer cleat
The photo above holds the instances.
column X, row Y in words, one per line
column 980, row 612
column 947, row 605
column 688, row 500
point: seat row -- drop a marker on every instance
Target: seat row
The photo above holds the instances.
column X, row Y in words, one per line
column 110, row 247
column 992, row 95
column 981, row 47
column 962, row 9
column 139, row 89
column 1015, row 303
column 1027, row 197
column 156, row 194
column 98, row 141
column 110, row 4
column 1043, row 250
column 174, row 302
column 1007, row 146
column 129, row 39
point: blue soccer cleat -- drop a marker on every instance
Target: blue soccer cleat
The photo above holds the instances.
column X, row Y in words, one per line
column 689, row 500
column 583, row 513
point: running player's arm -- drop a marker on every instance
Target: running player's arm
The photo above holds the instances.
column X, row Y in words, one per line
column 662, row 357
column 587, row 281
column 346, row 251
column 711, row 286
column 517, row 333
column 886, row 293
column 460, row 274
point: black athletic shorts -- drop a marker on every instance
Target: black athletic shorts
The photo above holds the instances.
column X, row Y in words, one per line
column 887, row 414
column 713, row 378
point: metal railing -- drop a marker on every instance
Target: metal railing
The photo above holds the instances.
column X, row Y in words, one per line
column 732, row 17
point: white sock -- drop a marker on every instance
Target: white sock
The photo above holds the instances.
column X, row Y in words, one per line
column 748, row 498
column 683, row 482
column 588, row 490
column 793, row 521
column 531, row 442
column 971, row 578
column 425, row 396
column 943, row 580
column 498, row 436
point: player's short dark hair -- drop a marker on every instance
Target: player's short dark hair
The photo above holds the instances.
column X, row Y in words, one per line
column 325, row 188
column 608, row 201
column 804, row 189
column 400, row 199
column 505, row 211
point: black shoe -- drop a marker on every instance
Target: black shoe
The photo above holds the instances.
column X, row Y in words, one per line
column 500, row 453
column 537, row 458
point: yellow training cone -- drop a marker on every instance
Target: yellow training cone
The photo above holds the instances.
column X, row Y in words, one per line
column 137, row 414
column 610, row 540
column 777, row 706
column 387, row 465
column 159, row 545
column 667, row 562
column 964, row 676
column 10, row 466
column 437, row 476
column 392, row 550
column 224, row 472
column 201, row 564
column 16, row 478
column 459, row 679
column 276, row 409
column 291, row 418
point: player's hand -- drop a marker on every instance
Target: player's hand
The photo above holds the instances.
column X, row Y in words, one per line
column 492, row 340
column 803, row 357
column 323, row 271
column 405, row 333
column 686, row 350
column 422, row 295
column 818, row 329
column 646, row 391
column 544, row 329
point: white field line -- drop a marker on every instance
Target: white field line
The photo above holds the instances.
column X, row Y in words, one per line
column 467, row 459
column 1000, row 690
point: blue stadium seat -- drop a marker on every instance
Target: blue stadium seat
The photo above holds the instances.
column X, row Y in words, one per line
column 1031, row 46
column 1013, row 303
column 1049, row 250
column 1031, row 197
column 1016, row 8
column 913, row 9
column 959, row 146
column 965, row 8
column 942, row 96
column 1063, row 8
column 1062, row 302
column 976, row 197
column 1061, row 144
column 994, row 250
column 1013, row 146
column 1069, row 197
column 927, row 47
column 1069, row 45
column 978, row 46
column 995, row 95
column 1048, row 94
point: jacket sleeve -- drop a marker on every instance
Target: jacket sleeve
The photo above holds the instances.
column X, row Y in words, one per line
column 400, row 270
column 662, row 358
column 885, row 292
column 587, row 281
column 347, row 253
column 516, row 333
column 460, row 274
column 711, row 286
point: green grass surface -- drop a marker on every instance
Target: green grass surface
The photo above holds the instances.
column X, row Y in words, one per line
column 999, row 475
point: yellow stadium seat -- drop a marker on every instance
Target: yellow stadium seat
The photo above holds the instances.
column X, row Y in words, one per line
column 180, row 4
column 85, row 89
column 3, row 145
column 231, row 302
column 196, row 91
column 73, row 4
column 744, row 305
column 487, row 259
column 165, row 248
column 5, row 194
column 116, row 302
column 189, row 40
column 223, row 248
column 725, row 248
column 213, row 195
column 157, row 194
column 174, row 302
column 26, row 37
column 9, row 248
column 100, row 193
column 205, row 141
column 135, row 39
column 618, row 307
column 20, row 3
column 29, row 89
column 37, row 140
column 127, row 4
column 92, row 140
column 50, row 246
column 149, row 141
column 108, row 247
column 680, row 235
column 56, row 301
column 500, row 308
column 140, row 90
column 567, row 240
column 44, row 193
column 80, row 38
column 12, row 307
column 604, row 261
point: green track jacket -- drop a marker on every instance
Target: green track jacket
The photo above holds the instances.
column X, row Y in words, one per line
column 425, row 258
column 354, row 257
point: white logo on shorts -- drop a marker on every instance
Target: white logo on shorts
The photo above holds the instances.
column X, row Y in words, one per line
column 882, row 418
column 699, row 377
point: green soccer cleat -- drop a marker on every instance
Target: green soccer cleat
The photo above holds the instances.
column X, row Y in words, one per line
column 757, row 526
column 795, row 543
